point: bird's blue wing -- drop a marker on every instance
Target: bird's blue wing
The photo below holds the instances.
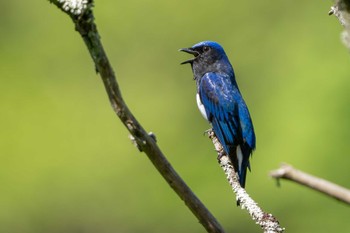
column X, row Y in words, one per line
column 229, row 115
column 217, row 97
column 223, row 103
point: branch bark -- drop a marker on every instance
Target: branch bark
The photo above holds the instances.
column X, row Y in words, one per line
column 288, row 172
column 82, row 15
column 267, row 221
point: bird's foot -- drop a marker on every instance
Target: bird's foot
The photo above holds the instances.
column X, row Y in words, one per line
column 220, row 154
column 208, row 132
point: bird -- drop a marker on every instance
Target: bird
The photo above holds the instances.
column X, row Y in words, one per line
column 221, row 103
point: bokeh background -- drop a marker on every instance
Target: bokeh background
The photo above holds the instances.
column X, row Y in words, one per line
column 67, row 165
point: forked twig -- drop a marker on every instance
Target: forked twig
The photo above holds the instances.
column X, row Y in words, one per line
column 81, row 13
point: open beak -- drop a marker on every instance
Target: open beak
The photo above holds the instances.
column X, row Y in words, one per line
column 190, row 51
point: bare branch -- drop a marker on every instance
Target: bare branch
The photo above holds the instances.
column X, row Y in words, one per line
column 267, row 222
column 290, row 173
column 81, row 13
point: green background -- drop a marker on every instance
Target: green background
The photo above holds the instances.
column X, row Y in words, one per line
column 67, row 165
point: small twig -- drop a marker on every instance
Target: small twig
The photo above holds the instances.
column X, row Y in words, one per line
column 290, row 173
column 81, row 13
column 267, row 222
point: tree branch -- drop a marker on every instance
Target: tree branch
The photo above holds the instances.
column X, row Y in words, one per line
column 81, row 13
column 341, row 10
column 267, row 221
column 289, row 173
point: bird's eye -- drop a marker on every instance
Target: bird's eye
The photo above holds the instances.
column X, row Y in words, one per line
column 206, row 48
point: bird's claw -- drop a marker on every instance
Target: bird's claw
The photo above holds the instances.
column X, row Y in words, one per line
column 220, row 154
column 208, row 131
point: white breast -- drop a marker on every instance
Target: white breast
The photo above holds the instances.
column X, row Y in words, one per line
column 201, row 107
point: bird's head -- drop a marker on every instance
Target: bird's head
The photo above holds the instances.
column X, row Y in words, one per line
column 209, row 56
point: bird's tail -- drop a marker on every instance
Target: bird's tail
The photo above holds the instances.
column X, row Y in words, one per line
column 240, row 159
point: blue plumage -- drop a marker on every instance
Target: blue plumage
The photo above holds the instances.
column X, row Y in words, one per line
column 221, row 103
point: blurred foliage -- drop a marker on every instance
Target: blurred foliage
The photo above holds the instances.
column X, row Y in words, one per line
column 67, row 164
